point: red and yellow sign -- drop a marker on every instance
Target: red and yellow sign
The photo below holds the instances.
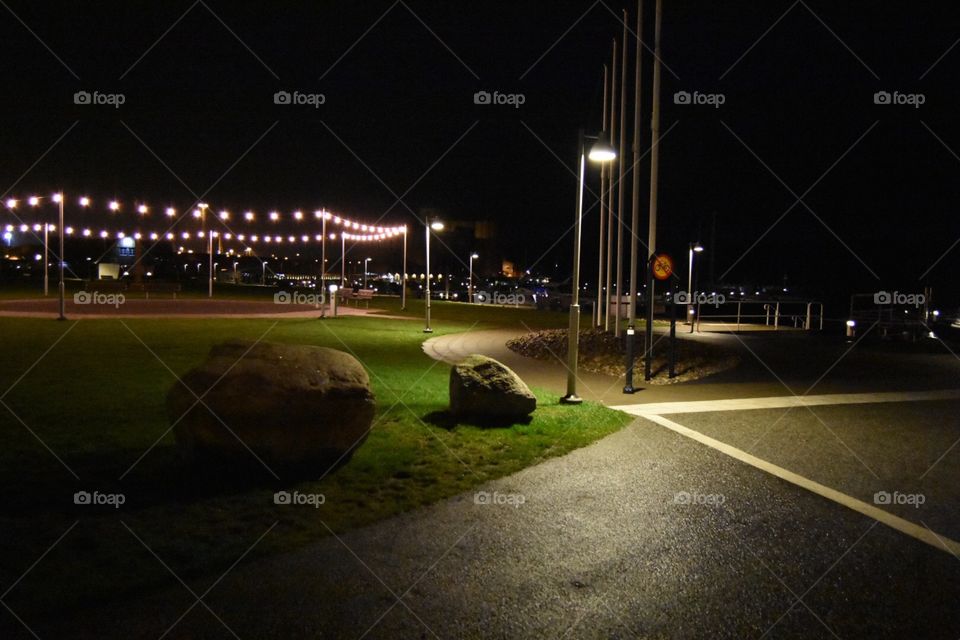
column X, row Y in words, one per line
column 662, row 266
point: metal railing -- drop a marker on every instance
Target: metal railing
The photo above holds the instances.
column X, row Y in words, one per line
column 805, row 315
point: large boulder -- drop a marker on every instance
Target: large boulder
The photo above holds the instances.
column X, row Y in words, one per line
column 295, row 407
column 481, row 387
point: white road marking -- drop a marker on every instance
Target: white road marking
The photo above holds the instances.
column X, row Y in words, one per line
column 915, row 531
column 779, row 402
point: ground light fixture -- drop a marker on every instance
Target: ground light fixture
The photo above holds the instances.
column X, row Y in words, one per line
column 600, row 151
column 429, row 225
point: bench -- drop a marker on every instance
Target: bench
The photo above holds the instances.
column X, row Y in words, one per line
column 118, row 286
column 161, row 287
column 365, row 295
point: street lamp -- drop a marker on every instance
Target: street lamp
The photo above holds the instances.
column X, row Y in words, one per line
column 436, row 225
column 365, row 261
column 695, row 247
column 473, row 256
column 263, row 279
column 203, row 224
column 601, row 151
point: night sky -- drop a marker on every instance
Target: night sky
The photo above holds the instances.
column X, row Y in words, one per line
column 400, row 123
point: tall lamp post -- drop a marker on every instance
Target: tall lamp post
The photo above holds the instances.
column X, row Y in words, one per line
column 695, row 247
column 436, row 225
column 58, row 198
column 601, row 151
column 403, row 279
column 203, row 225
column 365, row 261
column 473, row 256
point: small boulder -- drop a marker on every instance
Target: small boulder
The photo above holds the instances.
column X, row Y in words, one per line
column 295, row 407
column 481, row 387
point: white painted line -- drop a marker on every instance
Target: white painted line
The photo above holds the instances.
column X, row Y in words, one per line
column 780, row 402
column 915, row 531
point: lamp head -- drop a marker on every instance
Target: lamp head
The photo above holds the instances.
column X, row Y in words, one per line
column 602, row 150
column 436, row 225
column 697, row 247
column 474, row 256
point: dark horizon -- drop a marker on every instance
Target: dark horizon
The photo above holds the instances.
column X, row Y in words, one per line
column 399, row 113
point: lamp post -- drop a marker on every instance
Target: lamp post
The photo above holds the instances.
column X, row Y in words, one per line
column 343, row 260
column 403, row 280
column 695, row 247
column 61, row 260
column 473, row 256
column 263, row 279
column 436, row 225
column 601, row 151
column 365, row 261
column 34, row 201
column 203, row 225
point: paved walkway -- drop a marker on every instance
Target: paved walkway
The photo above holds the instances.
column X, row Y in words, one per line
column 173, row 308
column 645, row 534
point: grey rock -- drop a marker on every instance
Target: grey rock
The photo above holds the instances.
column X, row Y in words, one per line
column 481, row 387
column 295, row 407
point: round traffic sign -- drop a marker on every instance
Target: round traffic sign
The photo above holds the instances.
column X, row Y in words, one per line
column 662, row 266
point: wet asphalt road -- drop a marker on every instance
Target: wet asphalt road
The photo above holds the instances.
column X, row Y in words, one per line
column 646, row 534
column 602, row 547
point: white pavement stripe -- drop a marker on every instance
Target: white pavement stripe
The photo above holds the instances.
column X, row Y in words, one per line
column 741, row 404
column 915, row 531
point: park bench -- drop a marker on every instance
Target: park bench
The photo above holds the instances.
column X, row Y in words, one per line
column 365, row 295
column 161, row 287
column 119, row 286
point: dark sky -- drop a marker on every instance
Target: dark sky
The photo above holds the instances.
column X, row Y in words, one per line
column 399, row 120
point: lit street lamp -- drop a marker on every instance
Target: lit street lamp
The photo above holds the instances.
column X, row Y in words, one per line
column 601, row 151
column 436, row 225
column 473, row 256
column 365, row 261
column 203, row 225
column 695, row 247
column 58, row 198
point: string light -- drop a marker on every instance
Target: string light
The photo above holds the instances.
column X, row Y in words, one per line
column 367, row 233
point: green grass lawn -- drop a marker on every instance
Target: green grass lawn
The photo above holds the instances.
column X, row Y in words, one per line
column 93, row 392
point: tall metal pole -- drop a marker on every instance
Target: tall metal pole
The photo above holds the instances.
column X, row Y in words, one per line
column 573, row 332
column 403, row 280
column 613, row 136
column 654, row 174
column 343, row 260
column 689, row 308
column 61, row 286
column 427, row 328
column 470, row 281
column 635, row 215
column 598, row 311
column 46, row 253
column 623, row 145
column 210, row 266
column 323, row 264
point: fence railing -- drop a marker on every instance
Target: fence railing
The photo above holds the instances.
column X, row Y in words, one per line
column 777, row 314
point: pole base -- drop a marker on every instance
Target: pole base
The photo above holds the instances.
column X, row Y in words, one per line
column 571, row 399
column 428, row 330
column 631, row 389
